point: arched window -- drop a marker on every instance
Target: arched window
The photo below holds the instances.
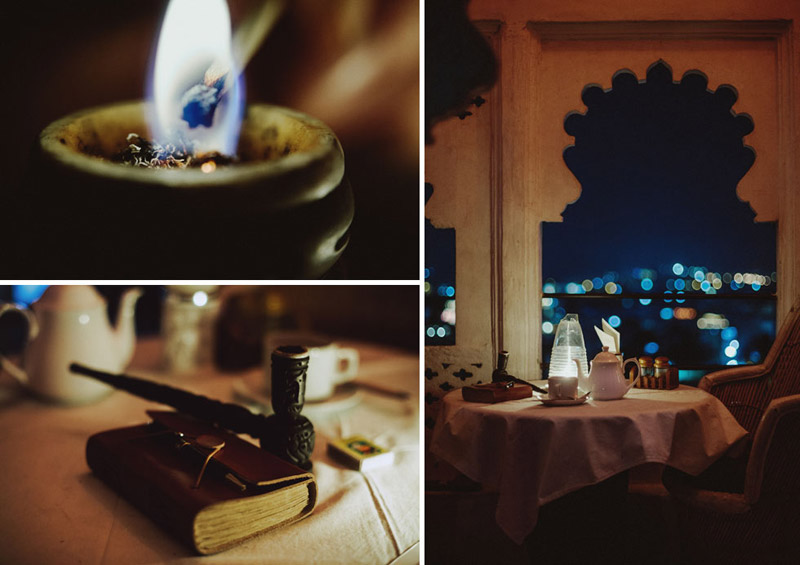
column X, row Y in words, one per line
column 658, row 243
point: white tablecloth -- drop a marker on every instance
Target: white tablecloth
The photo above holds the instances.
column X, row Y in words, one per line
column 533, row 454
column 53, row 510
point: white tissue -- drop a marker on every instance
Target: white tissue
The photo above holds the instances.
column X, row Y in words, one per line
column 609, row 337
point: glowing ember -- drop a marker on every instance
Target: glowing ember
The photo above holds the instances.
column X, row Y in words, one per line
column 208, row 167
column 195, row 87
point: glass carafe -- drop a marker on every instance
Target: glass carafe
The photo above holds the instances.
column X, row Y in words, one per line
column 568, row 345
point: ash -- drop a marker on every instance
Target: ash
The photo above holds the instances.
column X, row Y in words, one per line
column 141, row 152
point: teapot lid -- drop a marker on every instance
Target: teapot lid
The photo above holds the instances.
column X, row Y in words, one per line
column 66, row 297
column 605, row 356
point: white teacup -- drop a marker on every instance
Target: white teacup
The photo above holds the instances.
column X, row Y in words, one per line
column 328, row 365
column 562, row 388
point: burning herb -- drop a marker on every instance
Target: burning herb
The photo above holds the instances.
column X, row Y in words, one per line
column 200, row 102
column 143, row 153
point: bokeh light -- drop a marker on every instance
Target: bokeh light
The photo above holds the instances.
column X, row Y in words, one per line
column 651, row 348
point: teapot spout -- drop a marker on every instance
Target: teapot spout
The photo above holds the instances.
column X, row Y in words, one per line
column 125, row 332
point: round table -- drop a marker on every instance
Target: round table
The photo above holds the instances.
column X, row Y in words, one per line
column 533, row 454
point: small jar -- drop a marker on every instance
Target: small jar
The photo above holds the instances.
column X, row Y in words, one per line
column 661, row 371
column 646, row 363
column 661, row 367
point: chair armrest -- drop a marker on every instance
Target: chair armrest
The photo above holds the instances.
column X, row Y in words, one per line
column 730, row 376
column 741, row 390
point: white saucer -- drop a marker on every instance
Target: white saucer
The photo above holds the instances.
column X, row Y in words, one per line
column 560, row 402
column 250, row 389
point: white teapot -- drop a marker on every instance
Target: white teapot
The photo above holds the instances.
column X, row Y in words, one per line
column 70, row 324
column 606, row 379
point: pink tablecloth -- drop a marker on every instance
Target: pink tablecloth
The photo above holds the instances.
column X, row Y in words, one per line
column 533, row 454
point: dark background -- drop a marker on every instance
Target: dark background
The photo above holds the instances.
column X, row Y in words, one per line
column 385, row 314
column 65, row 57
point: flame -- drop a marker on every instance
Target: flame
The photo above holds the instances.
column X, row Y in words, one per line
column 194, row 53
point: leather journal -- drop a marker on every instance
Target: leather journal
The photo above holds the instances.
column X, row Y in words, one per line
column 207, row 486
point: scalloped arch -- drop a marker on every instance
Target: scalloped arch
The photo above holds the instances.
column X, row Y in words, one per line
column 630, row 95
column 658, row 162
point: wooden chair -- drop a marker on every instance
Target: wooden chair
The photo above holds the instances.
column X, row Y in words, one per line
column 746, row 391
column 760, row 524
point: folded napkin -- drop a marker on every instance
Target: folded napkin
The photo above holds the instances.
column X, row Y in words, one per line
column 608, row 337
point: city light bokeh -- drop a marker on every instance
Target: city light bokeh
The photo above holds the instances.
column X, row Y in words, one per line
column 699, row 327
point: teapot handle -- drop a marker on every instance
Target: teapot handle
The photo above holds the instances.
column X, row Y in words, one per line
column 33, row 330
column 638, row 370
